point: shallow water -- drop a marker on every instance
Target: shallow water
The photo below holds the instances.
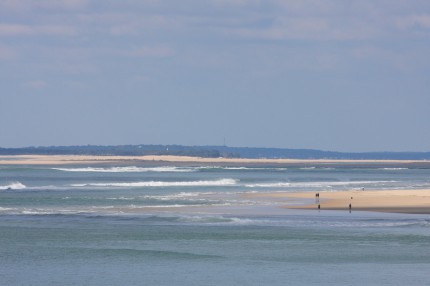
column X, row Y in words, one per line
column 132, row 225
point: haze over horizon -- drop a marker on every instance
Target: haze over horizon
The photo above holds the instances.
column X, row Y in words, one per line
column 348, row 76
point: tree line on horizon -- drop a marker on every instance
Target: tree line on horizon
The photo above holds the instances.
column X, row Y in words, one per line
column 211, row 152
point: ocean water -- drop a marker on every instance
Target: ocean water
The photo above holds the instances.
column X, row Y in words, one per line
column 172, row 225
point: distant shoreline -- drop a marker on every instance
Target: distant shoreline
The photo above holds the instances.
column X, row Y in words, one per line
column 213, row 151
column 181, row 160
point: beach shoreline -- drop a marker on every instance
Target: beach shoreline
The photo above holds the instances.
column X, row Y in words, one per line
column 165, row 159
column 412, row 201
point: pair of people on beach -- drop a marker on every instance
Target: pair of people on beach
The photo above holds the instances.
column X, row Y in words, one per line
column 317, row 198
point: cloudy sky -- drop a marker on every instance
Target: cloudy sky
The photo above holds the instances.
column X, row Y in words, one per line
column 323, row 74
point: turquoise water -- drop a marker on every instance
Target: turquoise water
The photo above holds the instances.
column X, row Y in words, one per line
column 116, row 225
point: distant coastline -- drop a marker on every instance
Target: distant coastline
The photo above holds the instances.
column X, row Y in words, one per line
column 159, row 160
column 213, row 152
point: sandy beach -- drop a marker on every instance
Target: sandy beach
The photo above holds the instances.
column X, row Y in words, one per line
column 399, row 201
column 87, row 159
column 396, row 201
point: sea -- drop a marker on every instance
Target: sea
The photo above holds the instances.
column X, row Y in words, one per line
column 198, row 225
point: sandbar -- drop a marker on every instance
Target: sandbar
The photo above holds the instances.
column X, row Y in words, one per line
column 156, row 159
column 398, row 201
column 395, row 201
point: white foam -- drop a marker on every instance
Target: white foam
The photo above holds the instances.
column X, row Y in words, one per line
column 269, row 185
column 39, row 211
column 314, row 184
column 240, row 168
column 221, row 182
column 165, row 206
column 122, row 199
column 129, row 169
column 181, row 195
column 254, row 169
column 13, row 186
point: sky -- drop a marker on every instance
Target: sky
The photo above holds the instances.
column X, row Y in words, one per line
column 333, row 75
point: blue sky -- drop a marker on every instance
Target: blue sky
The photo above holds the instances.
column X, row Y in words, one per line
column 322, row 74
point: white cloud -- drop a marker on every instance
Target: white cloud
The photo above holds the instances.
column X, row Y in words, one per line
column 414, row 21
column 400, row 60
column 142, row 78
column 125, row 29
column 14, row 29
column 158, row 51
column 7, row 53
column 29, row 30
column 312, row 28
column 35, row 84
column 235, row 2
column 31, row 5
column 58, row 30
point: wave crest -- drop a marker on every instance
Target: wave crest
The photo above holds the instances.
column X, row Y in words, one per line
column 314, row 184
column 128, row 169
column 221, row 182
column 13, row 186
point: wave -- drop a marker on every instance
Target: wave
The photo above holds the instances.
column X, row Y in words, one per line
column 214, row 220
column 128, row 169
column 269, row 185
column 394, row 169
column 21, row 187
column 314, row 184
column 214, row 168
column 221, row 182
column 317, row 168
column 403, row 223
column 179, row 196
column 134, row 169
column 254, row 169
column 44, row 211
column 13, row 186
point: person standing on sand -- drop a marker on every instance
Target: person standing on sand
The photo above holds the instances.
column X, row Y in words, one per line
column 350, row 208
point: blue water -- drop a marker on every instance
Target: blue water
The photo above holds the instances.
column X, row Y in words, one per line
column 133, row 225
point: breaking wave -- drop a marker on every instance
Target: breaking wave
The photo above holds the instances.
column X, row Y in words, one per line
column 221, row 182
column 129, row 169
column 13, row 186
column 314, row 184
column 134, row 169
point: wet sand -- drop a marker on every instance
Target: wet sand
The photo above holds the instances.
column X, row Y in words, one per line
column 395, row 201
